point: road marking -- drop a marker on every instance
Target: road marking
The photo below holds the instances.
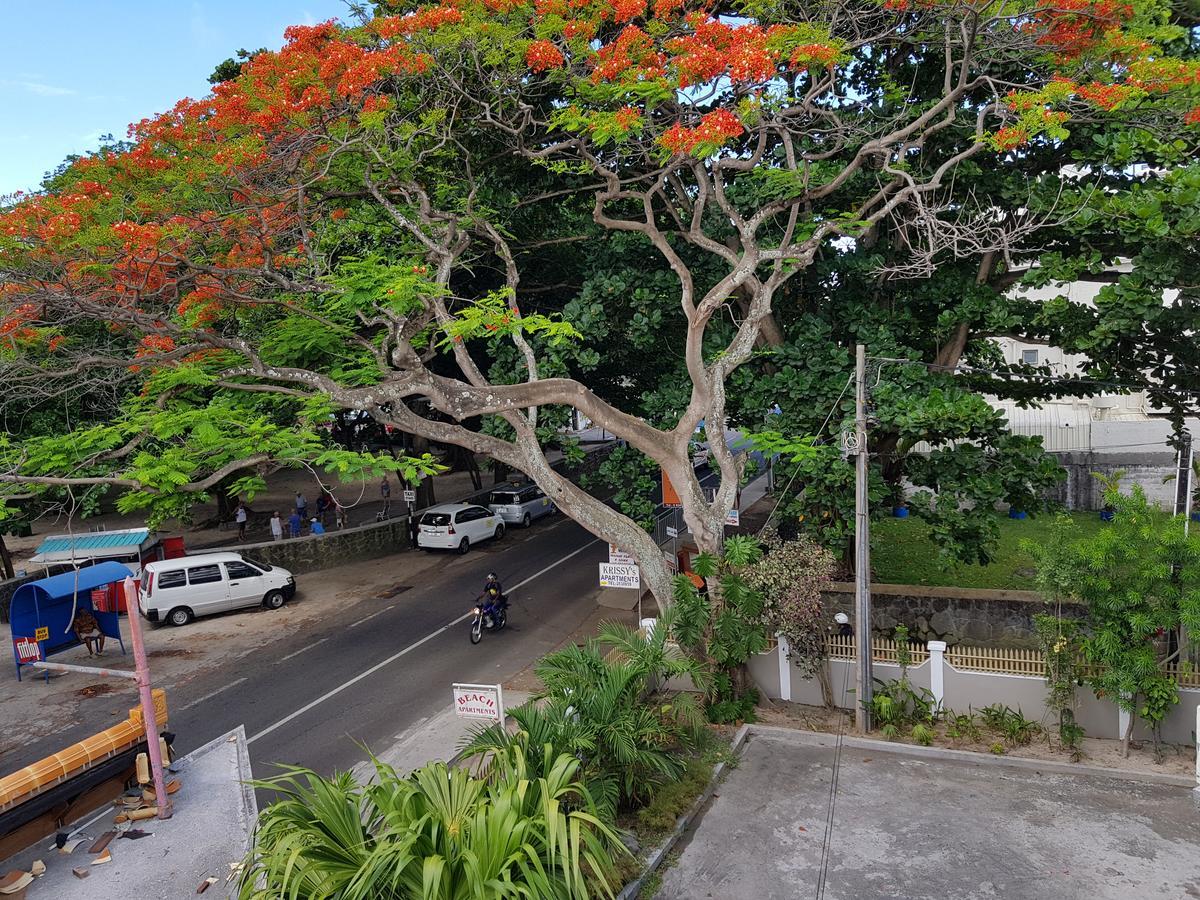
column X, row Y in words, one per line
column 219, row 690
column 303, row 649
column 391, row 659
column 379, row 612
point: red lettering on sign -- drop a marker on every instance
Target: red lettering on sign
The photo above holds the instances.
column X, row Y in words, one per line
column 27, row 649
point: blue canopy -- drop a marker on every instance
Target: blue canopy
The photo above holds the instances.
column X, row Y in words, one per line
column 50, row 604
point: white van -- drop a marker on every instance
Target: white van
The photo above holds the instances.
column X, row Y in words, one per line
column 178, row 590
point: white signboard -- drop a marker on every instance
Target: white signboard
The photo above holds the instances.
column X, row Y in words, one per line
column 671, row 561
column 479, row 701
column 618, row 557
column 672, row 532
column 410, row 496
column 620, row 575
column 734, row 518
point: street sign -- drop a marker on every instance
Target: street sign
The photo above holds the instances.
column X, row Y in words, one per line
column 28, row 650
column 410, row 496
column 42, row 634
column 734, row 518
column 671, row 561
column 672, row 532
column 479, row 701
column 619, row 557
column 620, row 575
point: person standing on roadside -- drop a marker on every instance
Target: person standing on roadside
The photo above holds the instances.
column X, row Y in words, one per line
column 339, row 514
column 294, row 521
column 276, row 526
column 385, row 494
column 240, row 515
column 301, row 505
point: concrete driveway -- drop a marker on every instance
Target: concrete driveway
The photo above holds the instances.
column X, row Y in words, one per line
column 910, row 827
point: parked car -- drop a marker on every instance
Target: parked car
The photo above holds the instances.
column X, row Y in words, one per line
column 520, row 504
column 178, row 590
column 456, row 526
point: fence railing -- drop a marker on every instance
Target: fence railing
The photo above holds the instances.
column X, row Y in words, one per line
column 968, row 657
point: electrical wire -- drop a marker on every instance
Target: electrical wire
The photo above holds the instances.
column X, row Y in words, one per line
column 831, row 807
column 816, row 439
column 1033, row 376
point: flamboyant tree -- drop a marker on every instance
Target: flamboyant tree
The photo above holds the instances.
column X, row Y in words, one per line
column 343, row 225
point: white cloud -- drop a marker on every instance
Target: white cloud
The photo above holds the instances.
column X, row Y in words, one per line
column 42, row 89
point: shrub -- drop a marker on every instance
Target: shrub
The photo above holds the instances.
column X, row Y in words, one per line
column 438, row 832
column 672, row 800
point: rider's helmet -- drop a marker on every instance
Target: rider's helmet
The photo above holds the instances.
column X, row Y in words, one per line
column 491, row 576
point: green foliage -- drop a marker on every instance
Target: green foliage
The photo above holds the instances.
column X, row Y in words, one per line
column 600, row 707
column 1061, row 647
column 1009, row 724
column 791, row 576
column 962, row 726
column 658, row 817
column 529, row 830
column 1140, row 579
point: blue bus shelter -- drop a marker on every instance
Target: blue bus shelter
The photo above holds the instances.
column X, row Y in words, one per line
column 42, row 611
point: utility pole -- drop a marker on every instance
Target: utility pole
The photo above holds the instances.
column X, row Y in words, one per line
column 862, row 546
column 1183, row 479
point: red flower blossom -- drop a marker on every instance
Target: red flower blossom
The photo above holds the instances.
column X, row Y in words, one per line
column 543, row 55
column 715, row 128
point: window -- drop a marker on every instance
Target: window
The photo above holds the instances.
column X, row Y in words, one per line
column 241, row 570
column 204, row 574
column 473, row 514
column 531, row 495
column 261, row 566
column 438, row 519
column 173, row 578
column 506, row 498
column 1029, row 357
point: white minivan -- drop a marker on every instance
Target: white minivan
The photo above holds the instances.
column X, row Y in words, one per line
column 457, row 526
column 178, row 590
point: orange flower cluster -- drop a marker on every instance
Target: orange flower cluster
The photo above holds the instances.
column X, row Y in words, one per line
column 430, row 18
column 1072, row 28
column 715, row 128
column 542, row 56
column 631, row 57
column 1105, row 96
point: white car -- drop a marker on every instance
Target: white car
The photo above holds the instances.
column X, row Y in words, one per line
column 456, row 526
column 179, row 590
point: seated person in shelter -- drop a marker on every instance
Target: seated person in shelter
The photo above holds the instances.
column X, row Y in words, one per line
column 87, row 629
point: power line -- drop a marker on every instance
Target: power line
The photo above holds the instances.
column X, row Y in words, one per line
column 1035, row 376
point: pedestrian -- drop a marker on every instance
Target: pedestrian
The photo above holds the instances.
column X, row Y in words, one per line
column 339, row 514
column 385, row 494
column 276, row 526
column 87, row 631
column 294, row 521
column 315, row 526
column 240, row 515
column 323, row 507
column 301, row 505
column 413, row 530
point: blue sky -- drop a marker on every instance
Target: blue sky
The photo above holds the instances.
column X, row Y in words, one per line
column 72, row 70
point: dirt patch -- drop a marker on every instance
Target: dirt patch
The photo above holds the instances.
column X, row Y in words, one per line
column 95, row 690
column 394, row 591
column 1176, row 759
column 170, row 653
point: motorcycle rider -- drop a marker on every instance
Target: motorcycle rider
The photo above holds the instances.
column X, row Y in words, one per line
column 494, row 591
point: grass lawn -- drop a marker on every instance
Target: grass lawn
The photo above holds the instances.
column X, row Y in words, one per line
column 902, row 553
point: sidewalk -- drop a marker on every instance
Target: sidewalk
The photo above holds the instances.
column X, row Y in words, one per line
column 437, row 738
column 931, row 826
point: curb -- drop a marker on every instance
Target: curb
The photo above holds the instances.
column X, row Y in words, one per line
column 655, row 859
column 823, row 738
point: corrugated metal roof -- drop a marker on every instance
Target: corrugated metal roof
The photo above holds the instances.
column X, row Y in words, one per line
column 108, row 541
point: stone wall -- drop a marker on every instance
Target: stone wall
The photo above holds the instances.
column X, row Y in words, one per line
column 324, row 551
column 954, row 615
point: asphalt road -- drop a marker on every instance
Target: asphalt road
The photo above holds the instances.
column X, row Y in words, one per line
column 358, row 679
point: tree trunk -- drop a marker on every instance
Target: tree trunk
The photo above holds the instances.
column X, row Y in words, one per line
column 826, row 687
column 425, row 492
column 6, row 563
column 499, row 472
column 1125, row 738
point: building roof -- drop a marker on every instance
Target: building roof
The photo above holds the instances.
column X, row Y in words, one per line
column 93, row 545
column 80, row 581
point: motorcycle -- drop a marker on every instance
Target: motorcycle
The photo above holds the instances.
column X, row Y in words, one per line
column 491, row 614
